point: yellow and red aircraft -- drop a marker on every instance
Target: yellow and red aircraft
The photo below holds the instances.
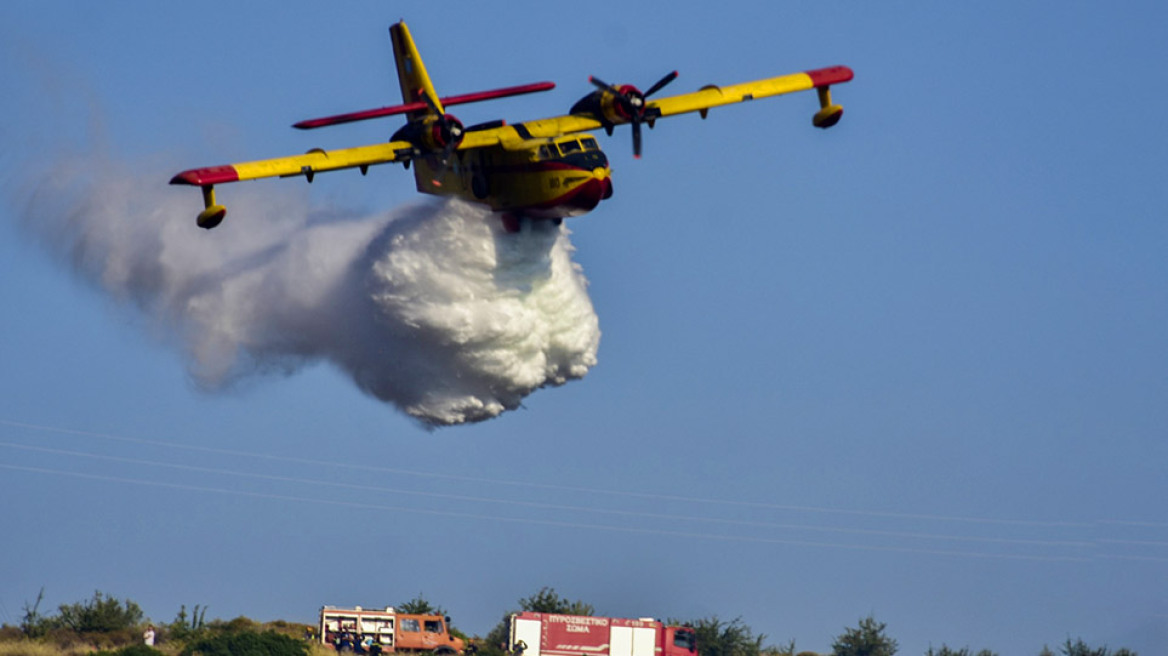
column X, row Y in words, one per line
column 543, row 169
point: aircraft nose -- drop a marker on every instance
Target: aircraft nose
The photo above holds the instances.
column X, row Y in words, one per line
column 604, row 175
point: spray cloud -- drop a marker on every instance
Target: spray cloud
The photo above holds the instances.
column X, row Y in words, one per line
column 431, row 307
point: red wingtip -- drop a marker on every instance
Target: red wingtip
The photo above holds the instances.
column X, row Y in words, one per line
column 206, row 176
column 821, row 77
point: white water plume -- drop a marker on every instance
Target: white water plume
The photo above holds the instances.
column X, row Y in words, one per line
column 430, row 307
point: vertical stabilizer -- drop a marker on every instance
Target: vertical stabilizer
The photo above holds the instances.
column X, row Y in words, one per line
column 411, row 72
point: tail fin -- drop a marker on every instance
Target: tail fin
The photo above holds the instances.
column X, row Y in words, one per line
column 411, row 72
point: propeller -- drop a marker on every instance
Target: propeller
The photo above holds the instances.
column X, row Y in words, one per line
column 630, row 103
column 448, row 131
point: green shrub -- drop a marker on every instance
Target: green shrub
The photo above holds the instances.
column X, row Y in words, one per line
column 241, row 624
column 102, row 614
column 132, row 650
column 247, row 643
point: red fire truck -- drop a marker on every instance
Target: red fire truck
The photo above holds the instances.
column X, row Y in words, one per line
column 546, row 634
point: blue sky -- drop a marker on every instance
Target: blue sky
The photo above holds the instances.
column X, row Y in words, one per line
column 912, row 366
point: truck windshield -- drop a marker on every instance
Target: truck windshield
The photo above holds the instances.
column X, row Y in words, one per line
column 433, row 626
column 684, row 639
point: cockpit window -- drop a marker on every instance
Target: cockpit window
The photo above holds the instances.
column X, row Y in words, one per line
column 548, row 151
column 570, row 146
column 589, row 143
column 684, row 639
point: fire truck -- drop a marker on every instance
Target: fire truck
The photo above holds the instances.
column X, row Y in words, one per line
column 547, row 634
column 390, row 630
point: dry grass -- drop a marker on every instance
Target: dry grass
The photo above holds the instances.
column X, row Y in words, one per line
column 74, row 646
column 317, row 649
column 30, row 648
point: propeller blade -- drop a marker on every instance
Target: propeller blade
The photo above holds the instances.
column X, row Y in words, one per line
column 444, row 163
column 603, row 85
column 661, row 83
column 633, row 104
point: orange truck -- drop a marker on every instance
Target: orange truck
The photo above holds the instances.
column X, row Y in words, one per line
column 359, row 629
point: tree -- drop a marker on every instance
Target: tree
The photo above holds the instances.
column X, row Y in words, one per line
column 101, row 614
column 547, row 600
column 420, row 606
column 188, row 628
column 1080, row 648
column 866, row 640
column 964, row 651
column 33, row 623
column 718, row 638
column 780, row 650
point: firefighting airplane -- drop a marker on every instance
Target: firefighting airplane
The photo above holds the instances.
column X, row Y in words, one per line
column 544, row 169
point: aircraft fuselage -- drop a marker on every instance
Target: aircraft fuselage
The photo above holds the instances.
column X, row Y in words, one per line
column 550, row 178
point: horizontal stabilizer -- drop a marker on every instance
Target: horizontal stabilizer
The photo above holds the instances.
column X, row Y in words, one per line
column 420, row 106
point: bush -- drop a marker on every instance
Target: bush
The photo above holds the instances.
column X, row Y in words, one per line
column 29, row 648
column 132, row 650
column 241, row 624
column 101, row 614
column 247, row 643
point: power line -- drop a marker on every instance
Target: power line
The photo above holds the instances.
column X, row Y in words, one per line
column 545, row 522
column 548, row 486
column 560, row 507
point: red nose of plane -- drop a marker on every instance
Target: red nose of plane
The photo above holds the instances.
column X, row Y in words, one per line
column 588, row 195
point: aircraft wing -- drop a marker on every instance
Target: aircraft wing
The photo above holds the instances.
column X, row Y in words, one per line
column 602, row 112
column 557, row 125
column 308, row 164
column 715, row 96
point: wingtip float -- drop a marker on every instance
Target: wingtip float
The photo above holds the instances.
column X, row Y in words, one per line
column 545, row 169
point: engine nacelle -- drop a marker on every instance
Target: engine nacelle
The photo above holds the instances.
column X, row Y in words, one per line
column 432, row 133
column 609, row 108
